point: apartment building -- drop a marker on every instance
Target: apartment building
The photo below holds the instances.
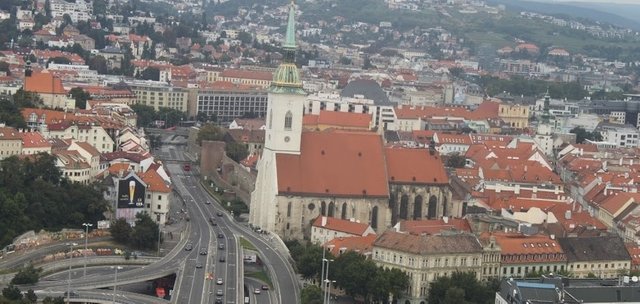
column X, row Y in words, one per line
column 160, row 95
column 10, row 142
column 229, row 103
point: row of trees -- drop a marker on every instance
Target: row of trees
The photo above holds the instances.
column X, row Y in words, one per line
column 582, row 135
column 518, row 85
column 147, row 115
column 143, row 236
column 353, row 272
column 35, row 196
column 13, row 295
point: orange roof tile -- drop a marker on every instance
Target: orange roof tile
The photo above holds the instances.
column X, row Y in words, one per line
column 614, row 203
column 154, row 181
column 538, row 246
column 8, row 133
column 115, row 168
column 434, row 226
column 415, row 166
column 45, row 83
column 88, row 147
column 359, row 244
column 340, row 225
column 247, row 74
column 34, row 140
column 335, row 163
column 345, row 119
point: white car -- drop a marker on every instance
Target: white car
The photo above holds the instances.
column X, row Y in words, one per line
column 219, row 281
column 257, row 291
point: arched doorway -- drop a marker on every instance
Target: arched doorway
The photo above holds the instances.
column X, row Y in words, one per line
column 404, row 207
column 374, row 217
column 332, row 209
column 393, row 208
column 344, row 211
column 323, row 208
column 432, row 212
column 417, row 208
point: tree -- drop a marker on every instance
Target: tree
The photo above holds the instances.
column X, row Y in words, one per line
column 245, row 37
column 311, row 294
column 367, row 64
column 146, row 114
column 236, row 151
column 12, row 293
column 27, row 275
column 31, row 296
column 150, row 73
column 99, row 64
column 456, row 72
column 209, row 132
column 121, row 231
column 10, row 114
column 582, row 135
column 345, row 61
column 353, row 272
column 454, row 295
column 456, row 160
column 444, row 288
column 145, row 233
column 59, row 60
column 4, row 67
column 309, row 263
column 80, row 96
column 50, row 300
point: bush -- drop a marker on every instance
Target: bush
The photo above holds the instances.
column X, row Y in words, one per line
column 27, row 275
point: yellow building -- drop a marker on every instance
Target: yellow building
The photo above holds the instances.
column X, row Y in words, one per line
column 517, row 116
column 160, row 95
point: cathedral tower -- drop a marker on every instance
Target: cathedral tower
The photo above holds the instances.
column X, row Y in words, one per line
column 285, row 105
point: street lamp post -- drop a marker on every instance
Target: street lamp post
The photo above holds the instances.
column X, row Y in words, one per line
column 69, row 278
column 158, row 220
column 322, row 276
column 328, row 296
column 324, row 295
column 115, row 283
column 86, row 240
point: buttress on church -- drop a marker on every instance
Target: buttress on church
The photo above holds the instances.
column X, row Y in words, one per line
column 351, row 175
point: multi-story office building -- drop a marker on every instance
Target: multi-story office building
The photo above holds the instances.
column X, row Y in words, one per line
column 160, row 95
column 231, row 103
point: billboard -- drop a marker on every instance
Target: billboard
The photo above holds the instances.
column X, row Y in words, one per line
column 131, row 193
column 130, row 201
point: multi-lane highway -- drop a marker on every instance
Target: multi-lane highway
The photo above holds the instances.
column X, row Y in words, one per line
column 199, row 269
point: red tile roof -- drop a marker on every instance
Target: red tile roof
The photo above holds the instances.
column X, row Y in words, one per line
column 359, row 244
column 34, row 140
column 154, row 181
column 8, row 133
column 247, row 74
column 335, row 163
column 45, row 83
column 536, row 246
column 614, row 203
column 434, row 226
column 340, row 225
column 415, row 166
column 345, row 119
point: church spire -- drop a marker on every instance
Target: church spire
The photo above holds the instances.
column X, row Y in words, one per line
column 286, row 78
column 290, row 40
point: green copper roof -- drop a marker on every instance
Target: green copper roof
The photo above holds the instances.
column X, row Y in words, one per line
column 290, row 41
column 286, row 78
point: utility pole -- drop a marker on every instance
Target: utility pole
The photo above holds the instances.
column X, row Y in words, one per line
column 86, row 240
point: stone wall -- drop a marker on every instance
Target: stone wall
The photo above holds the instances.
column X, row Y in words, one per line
column 231, row 175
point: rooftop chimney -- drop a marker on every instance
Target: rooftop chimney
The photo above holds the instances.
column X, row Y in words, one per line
column 324, row 221
column 445, row 219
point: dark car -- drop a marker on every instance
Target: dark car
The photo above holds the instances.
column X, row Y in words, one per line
column 203, row 251
column 219, row 301
column 207, row 202
column 219, row 213
column 213, row 221
column 222, row 259
column 219, row 292
column 188, row 247
column 265, row 287
column 220, row 235
column 221, row 246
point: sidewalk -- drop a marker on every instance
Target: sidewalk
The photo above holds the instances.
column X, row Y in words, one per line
column 171, row 232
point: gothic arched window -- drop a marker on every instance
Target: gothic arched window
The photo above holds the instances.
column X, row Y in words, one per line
column 288, row 119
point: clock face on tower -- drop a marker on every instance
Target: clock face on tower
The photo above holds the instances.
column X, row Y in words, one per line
column 286, row 139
